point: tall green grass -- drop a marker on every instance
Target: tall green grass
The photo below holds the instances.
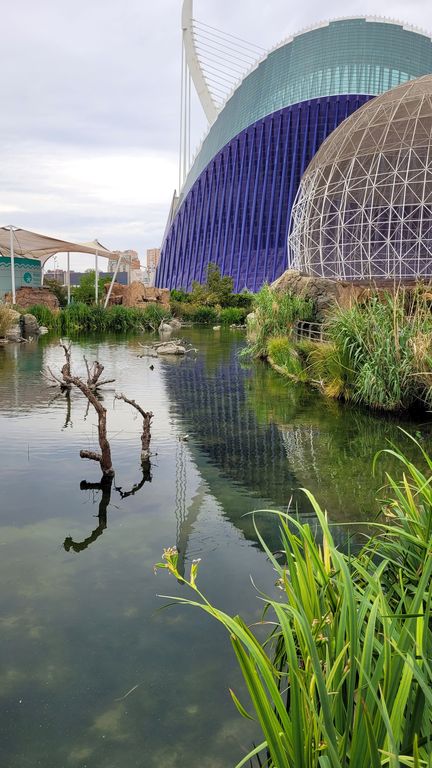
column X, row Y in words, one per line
column 79, row 318
column 274, row 315
column 345, row 677
column 386, row 346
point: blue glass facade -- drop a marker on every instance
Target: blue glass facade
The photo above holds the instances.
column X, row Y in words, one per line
column 237, row 213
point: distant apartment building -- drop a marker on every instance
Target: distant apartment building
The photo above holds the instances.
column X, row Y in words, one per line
column 153, row 255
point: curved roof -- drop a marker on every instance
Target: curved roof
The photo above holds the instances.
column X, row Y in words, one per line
column 352, row 55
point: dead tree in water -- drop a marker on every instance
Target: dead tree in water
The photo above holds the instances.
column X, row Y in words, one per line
column 93, row 374
column 146, row 433
column 104, row 457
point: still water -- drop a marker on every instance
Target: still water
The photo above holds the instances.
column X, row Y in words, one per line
column 93, row 672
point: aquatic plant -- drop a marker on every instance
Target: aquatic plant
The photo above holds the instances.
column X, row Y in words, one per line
column 344, row 680
column 78, row 318
column 286, row 359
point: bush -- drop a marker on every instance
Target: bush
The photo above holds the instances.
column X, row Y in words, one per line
column 345, row 677
column 244, row 300
column 207, row 315
column 232, row 316
column 275, row 314
column 45, row 316
column 177, row 294
column 7, row 320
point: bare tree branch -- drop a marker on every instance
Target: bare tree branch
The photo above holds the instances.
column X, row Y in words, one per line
column 146, row 433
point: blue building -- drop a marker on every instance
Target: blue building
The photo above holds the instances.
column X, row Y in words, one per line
column 235, row 204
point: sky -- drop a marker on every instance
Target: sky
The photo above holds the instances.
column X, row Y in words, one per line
column 89, row 127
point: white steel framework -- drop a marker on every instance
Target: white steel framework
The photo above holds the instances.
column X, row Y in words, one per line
column 364, row 206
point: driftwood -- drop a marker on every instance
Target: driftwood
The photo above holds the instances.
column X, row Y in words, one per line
column 146, row 433
column 171, row 347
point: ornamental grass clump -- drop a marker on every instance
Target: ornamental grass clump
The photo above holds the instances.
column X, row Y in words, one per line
column 7, row 320
column 386, row 348
column 345, row 677
column 274, row 315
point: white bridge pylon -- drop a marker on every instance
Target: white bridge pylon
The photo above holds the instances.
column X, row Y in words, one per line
column 216, row 62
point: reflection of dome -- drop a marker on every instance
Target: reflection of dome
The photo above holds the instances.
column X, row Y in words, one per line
column 364, row 208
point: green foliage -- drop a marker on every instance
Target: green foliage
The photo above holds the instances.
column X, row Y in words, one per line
column 274, row 315
column 85, row 292
column 283, row 354
column 216, row 289
column 345, row 679
column 81, row 317
column 232, row 316
column 204, row 314
column 244, row 300
column 177, row 294
column 387, row 346
column 58, row 290
column 7, row 320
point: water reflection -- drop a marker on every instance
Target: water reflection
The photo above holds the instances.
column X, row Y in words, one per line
column 78, row 633
column 104, row 486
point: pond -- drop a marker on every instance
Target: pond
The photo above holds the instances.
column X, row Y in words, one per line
column 94, row 672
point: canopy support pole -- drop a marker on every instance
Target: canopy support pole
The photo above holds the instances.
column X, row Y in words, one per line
column 68, row 279
column 112, row 281
column 96, row 279
column 12, row 258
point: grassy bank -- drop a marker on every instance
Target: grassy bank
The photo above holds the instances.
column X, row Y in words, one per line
column 84, row 318
column 377, row 354
column 344, row 680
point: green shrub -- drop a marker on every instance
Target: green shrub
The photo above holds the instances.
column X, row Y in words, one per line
column 345, row 679
column 203, row 314
column 274, row 315
column 232, row 316
column 177, row 294
column 244, row 300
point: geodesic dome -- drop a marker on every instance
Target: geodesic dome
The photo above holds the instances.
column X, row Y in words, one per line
column 364, row 206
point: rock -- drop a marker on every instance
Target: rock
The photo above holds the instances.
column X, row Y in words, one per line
column 43, row 330
column 28, row 297
column 175, row 323
column 323, row 291
column 138, row 295
column 169, row 348
column 29, row 325
column 216, row 327
column 14, row 333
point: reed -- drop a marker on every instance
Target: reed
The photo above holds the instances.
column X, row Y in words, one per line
column 345, row 677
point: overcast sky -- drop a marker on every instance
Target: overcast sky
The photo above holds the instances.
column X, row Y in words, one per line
column 90, row 102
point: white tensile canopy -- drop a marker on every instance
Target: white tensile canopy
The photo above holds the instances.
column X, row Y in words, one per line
column 22, row 242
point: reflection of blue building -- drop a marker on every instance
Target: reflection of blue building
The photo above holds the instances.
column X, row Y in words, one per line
column 234, row 207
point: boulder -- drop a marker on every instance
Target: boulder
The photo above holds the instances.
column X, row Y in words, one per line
column 175, row 324
column 138, row 295
column 323, row 291
column 28, row 297
column 170, row 348
column 29, row 325
column 14, row 333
